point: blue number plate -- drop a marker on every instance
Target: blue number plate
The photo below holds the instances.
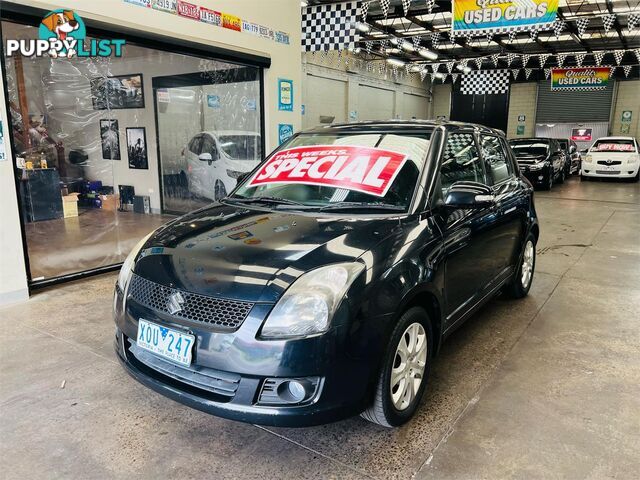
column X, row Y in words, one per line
column 165, row 342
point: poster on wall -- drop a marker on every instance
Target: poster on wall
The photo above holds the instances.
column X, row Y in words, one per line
column 589, row 78
column 110, row 135
column 581, row 134
column 285, row 132
column 118, row 92
column 484, row 16
column 137, row 148
column 285, row 95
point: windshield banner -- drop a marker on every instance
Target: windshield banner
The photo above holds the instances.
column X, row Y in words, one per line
column 363, row 169
column 589, row 78
column 615, row 147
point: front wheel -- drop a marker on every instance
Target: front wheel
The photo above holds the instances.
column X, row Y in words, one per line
column 549, row 183
column 562, row 175
column 523, row 278
column 219, row 190
column 404, row 372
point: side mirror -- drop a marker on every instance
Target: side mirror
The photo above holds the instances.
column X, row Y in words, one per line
column 573, row 149
column 205, row 157
column 469, row 195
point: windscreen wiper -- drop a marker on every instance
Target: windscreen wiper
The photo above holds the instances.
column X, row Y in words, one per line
column 265, row 199
column 361, row 206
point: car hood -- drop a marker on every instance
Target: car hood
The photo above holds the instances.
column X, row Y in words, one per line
column 245, row 254
column 529, row 159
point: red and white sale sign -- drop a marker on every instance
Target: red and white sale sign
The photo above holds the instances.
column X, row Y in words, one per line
column 364, row 169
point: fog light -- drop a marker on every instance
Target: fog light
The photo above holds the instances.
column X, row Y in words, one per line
column 296, row 390
column 289, row 391
column 540, row 177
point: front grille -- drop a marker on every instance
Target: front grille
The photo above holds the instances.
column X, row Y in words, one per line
column 608, row 172
column 609, row 162
column 223, row 313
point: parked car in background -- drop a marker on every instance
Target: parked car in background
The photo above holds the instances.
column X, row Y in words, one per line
column 541, row 160
column 572, row 156
column 323, row 286
column 215, row 161
column 612, row 157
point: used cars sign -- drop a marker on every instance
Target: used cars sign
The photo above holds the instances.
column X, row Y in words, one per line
column 364, row 169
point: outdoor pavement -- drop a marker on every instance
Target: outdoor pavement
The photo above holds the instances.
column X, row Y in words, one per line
column 545, row 387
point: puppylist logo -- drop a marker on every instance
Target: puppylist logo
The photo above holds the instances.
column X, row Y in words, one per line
column 62, row 33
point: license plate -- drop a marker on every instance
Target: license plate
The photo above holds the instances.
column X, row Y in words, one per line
column 165, row 342
column 608, row 167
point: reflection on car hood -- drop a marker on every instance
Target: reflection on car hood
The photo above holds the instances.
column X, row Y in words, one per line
column 245, row 254
column 527, row 159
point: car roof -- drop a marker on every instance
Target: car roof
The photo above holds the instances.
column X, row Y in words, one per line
column 615, row 138
column 376, row 125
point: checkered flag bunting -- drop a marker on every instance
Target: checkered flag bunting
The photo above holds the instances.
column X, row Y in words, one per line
column 527, row 72
column 580, row 59
column 547, row 73
column 561, row 58
column 598, row 56
column 430, row 5
column 406, row 5
column 368, row 46
column 416, row 41
column 582, row 24
column 612, row 71
column 627, row 70
column 558, row 27
column 329, row 27
column 525, row 59
column 512, row 36
column 618, row 55
column 423, row 74
column 450, row 66
column 435, row 39
column 364, row 11
column 489, row 37
column 384, row 5
column 479, row 61
column 454, row 77
column 494, row 58
column 514, row 73
column 637, row 53
column 534, row 34
column 485, row 82
column 633, row 21
column 510, row 58
column 542, row 58
column 608, row 21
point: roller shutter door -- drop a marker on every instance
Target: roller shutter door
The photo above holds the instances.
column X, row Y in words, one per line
column 327, row 98
column 573, row 107
column 414, row 106
column 375, row 103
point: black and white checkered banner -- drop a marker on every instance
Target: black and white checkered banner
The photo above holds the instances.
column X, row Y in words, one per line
column 330, row 27
column 485, row 82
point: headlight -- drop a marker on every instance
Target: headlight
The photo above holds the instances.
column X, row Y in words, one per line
column 588, row 159
column 307, row 307
column 129, row 263
column 537, row 166
column 632, row 159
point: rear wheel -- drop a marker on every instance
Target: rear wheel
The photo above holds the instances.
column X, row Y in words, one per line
column 523, row 278
column 405, row 371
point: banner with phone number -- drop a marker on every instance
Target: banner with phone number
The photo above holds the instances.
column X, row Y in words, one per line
column 363, row 169
column 589, row 78
column 495, row 16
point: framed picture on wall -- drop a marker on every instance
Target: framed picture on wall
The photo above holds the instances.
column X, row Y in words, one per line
column 120, row 91
column 137, row 148
column 110, row 136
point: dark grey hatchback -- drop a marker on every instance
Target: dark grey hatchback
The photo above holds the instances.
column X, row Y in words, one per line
column 324, row 285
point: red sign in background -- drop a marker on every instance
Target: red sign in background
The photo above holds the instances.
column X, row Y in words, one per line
column 364, row 169
column 581, row 134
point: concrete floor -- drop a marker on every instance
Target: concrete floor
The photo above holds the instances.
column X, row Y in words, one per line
column 546, row 387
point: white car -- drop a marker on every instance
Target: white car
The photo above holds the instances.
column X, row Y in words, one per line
column 215, row 161
column 617, row 157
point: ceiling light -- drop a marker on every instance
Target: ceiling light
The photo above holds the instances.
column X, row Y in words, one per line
column 395, row 61
column 363, row 27
column 392, row 51
column 303, row 3
column 428, row 54
column 417, row 68
column 463, row 68
column 394, row 41
column 406, row 46
column 438, row 76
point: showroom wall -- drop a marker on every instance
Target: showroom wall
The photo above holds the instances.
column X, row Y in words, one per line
column 522, row 101
column 627, row 99
column 332, row 91
column 441, row 105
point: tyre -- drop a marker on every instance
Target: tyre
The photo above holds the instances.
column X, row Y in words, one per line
column 404, row 372
column 562, row 176
column 520, row 284
column 219, row 190
column 549, row 181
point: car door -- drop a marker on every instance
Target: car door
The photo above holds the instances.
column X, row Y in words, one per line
column 510, row 204
column 212, row 169
column 557, row 157
column 467, row 233
column 197, row 169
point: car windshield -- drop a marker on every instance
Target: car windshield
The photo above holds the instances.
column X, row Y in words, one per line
column 351, row 171
column 611, row 145
column 240, row 147
column 522, row 149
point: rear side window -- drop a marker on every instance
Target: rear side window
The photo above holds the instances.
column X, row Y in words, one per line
column 496, row 159
column 461, row 161
column 194, row 145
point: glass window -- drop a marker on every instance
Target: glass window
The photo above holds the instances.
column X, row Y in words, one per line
column 527, row 148
column 496, row 158
column 461, row 161
column 413, row 144
column 614, row 145
column 106, row 149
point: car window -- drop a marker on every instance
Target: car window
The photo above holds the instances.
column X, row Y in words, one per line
column 195, row 143
column 461, row 161
column 496, row 159
column 614, row 145
column 209, row 146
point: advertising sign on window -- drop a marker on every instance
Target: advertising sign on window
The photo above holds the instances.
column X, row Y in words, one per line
column 581, row 134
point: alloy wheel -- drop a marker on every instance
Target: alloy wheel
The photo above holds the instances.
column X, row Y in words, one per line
column 527, row 264
column 409, row 365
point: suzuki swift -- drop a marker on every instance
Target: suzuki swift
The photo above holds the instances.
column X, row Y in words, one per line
column 323, row 286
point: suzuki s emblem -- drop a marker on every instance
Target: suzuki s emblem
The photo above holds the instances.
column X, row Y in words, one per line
column 175, row 302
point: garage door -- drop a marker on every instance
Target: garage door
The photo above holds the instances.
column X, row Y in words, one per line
column 574, row 106
column 375, row 103
column 326, row 99
column 414, row 106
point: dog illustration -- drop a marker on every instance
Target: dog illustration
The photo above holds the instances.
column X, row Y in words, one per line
column 62, row 24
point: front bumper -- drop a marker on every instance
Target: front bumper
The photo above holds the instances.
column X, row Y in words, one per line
column 618, row 171
column 345, row 375
column 535, row 177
